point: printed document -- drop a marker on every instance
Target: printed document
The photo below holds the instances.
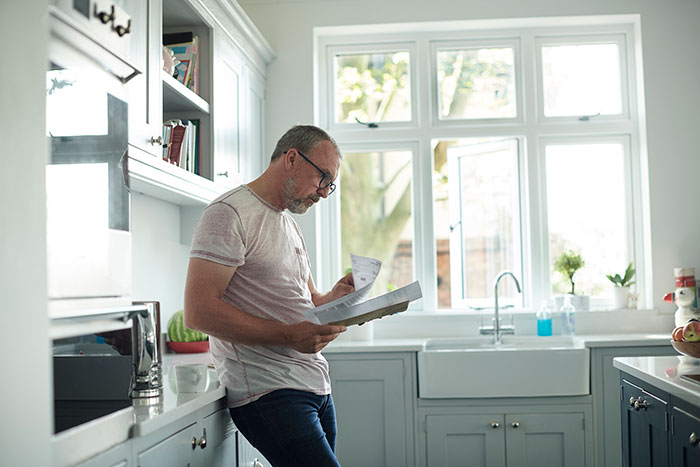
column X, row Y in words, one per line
column 356, row 308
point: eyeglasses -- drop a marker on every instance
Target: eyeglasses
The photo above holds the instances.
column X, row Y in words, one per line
column 326, row 180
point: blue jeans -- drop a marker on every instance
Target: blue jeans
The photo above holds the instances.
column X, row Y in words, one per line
column 290, row 428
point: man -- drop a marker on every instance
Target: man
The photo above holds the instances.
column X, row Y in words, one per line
column 248, row 283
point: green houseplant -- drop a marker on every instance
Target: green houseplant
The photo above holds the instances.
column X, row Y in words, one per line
column 622, row 285
column 567, row 264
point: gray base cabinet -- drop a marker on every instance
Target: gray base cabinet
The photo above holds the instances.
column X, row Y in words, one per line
column 529, row 439
column 374, row 402
column 658, row 430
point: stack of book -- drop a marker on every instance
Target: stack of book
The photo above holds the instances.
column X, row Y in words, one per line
column 185, row 46
column 181, row 144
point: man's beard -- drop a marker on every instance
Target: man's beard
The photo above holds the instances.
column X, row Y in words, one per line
column 297, row 205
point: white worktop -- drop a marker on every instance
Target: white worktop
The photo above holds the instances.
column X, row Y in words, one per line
column 664, row 373
column 143, row 417
column 415, row 344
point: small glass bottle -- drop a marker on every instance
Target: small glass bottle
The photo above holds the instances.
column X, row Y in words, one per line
column 544, row 320
column 568, row 317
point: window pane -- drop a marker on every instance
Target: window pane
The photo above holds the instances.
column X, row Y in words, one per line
column 372, row 87
column 477, row 220
column 376, row 215
column 581, row 80
column 586, row 211
column 476, row 83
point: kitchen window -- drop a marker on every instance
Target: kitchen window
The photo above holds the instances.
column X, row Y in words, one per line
column 496, row 145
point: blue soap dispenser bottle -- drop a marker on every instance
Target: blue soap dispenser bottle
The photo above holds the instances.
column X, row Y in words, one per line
column 544, row 320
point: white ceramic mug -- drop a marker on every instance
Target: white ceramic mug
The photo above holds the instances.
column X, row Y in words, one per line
column 191, row 378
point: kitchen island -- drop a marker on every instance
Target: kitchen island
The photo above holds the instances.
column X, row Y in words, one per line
column 660, row 410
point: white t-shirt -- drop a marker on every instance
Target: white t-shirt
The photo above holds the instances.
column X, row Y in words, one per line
column 241, row 229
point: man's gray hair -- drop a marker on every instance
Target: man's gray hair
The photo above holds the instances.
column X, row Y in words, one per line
column 303, row 138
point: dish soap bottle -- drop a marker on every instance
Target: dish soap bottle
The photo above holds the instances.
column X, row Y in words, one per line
column 544, row 320
column 568, row 317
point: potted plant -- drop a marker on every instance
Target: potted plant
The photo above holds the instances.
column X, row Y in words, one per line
column 567, row 264
column 622, row 285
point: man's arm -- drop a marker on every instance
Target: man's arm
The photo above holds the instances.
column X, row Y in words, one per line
column 206, row 311
column 343, row 287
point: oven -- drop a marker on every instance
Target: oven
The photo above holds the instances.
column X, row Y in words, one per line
column 88, row 201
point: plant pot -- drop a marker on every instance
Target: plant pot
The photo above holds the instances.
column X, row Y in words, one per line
column 621, row 298
column 580, row 302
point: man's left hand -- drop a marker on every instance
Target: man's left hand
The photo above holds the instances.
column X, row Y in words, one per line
column 343, row 287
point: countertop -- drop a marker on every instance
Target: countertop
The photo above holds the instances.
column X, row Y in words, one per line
column 664, row 373
column 416, row 344
column 145, row 416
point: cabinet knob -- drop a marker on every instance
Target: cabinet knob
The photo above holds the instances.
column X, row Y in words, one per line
column 222, row 174
column 694, row 439
column 202, row 442
column 156, row 141
column 121, row 30
column 631, row 401
column 194, row 443
column 256, row 463
column 515, row 424
column 640, row 404
column 495, row 424
column 103, row 15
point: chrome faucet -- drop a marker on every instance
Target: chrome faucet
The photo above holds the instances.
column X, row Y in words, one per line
column 497, row 329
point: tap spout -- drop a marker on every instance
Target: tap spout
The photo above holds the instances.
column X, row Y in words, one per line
column 497, row 320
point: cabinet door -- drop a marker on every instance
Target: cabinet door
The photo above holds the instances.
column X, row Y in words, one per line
column 685, row 440
column 535, row 440
column 174, row 451
column 118, row 456
column 459, row 440
column 645, row 440
column 221, row 436
column 254, row 157
column 370, row 408
column 145, row 89
column 248, row 456
column 227, row 103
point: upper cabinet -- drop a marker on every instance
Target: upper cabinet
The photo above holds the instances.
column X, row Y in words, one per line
column 224, row 109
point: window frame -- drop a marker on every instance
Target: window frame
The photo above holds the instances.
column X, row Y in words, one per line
column 530, row 130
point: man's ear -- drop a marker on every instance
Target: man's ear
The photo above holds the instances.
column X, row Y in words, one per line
column 290, row 159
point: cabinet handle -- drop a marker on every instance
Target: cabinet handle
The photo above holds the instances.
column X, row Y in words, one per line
column 202, row 442
column 222, row 174
column 515, row 424
column 631, row 401
column 694, row 439
column 495, row 424
column 156, row 141
column 640, row 404
column 194, row 443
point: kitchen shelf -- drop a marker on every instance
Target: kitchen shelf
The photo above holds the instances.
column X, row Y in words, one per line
column 179, row 98
column 155, row 177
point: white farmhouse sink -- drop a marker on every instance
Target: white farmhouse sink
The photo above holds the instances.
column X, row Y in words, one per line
column 522, row 366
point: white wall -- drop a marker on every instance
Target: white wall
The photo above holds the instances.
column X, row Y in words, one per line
column 25, row 402
column 670, row 40
column 159, row 259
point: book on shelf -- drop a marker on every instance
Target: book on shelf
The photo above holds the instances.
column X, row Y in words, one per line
column 185, row 46
column 181, row 146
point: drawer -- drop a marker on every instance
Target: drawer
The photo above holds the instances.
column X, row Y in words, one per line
column 645, row 404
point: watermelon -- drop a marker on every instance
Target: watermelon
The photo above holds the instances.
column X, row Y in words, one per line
column 178, row 332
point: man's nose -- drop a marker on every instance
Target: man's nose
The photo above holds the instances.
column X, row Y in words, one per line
column 324, row 192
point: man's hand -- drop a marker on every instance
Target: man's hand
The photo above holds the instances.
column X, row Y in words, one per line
column 341, row 288
column 307, row 337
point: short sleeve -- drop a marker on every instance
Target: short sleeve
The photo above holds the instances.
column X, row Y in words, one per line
column 219, row 236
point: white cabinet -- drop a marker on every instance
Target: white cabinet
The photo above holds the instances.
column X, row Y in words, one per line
column 374, row 402
column 228, row 106
column 177, row 450
column 228, row 85
column 533, row 436
column 222, row 437
column 118, row 456
column 248, row 456
column 144, row 90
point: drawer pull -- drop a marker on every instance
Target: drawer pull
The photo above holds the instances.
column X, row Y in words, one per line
column 640, row 404
column 515, row 424
column 495, row 424
column 694, row 439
